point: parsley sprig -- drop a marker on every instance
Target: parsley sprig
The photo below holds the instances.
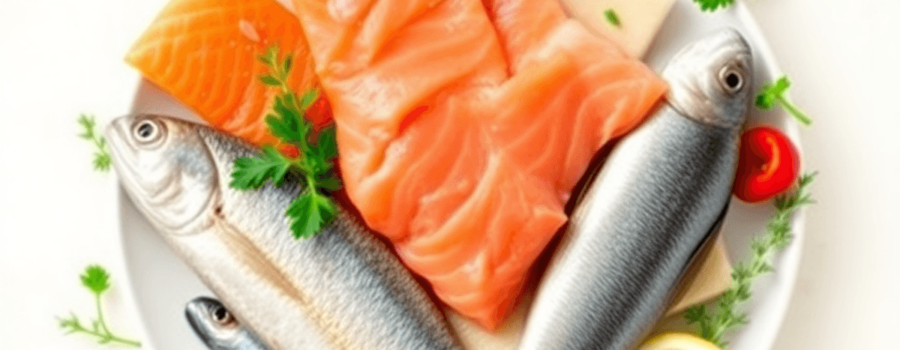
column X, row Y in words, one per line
column 714, row 323
column 96, row 280
column 775, row 93
column 713, row 5
column 314, row 166
column 102, row 158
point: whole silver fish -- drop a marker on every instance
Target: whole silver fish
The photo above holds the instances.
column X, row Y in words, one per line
column 658, row 198
column 217, row 328
column 342, row 289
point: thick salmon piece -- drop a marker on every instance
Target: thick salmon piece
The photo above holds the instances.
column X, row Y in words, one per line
column 464, row 125
column 203, row 52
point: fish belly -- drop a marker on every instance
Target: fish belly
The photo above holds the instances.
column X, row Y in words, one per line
column 255, row 299
column 652, row 206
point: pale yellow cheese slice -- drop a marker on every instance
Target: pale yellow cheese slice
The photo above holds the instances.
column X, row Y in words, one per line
column 505, row 337
column 639, row 20
column 711, row 280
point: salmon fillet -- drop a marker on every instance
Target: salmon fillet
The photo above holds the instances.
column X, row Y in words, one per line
column 203, row 52
column 463, row 126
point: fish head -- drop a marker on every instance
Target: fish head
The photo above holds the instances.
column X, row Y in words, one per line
column 212, row 322
column 166, row 168
column 710, row 80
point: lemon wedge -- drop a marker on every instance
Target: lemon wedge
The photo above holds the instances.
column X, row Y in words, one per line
column 678, row 341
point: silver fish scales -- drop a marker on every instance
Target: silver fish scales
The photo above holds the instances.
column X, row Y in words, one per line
column 342, row 289
column 660, row 195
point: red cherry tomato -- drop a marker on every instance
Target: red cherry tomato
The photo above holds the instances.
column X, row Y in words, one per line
column 290, row 151
column 768, row 166
column 320, row 113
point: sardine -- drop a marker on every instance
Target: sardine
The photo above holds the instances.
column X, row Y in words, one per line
column 658, row 198
column 342, row 289
column 217, row 328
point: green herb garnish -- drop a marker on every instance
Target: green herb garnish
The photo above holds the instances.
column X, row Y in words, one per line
column 773, row 94
column 713, row 5
column 313, row 209
column 713, row 324
column 96, row 280
column 612, row 17
column 102, row 159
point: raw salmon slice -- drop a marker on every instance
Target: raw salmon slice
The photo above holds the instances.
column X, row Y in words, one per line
column 204, row 53
column 464, row 125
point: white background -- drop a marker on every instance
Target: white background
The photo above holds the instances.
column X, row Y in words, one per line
column 60, row 58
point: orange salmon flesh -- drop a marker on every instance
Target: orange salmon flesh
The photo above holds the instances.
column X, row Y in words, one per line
column 463, row 126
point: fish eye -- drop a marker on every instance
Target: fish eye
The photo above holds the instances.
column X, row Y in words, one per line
column 147, row 131
column 221, row 315
column 731, row 79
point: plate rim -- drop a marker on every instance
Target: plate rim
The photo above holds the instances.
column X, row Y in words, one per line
column 787, row 261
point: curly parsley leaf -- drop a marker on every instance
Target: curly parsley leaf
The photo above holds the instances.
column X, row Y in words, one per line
column 287, row 122
column 775, row 94
column 713, row 5
column 712, row 323
column 95, row 279
column 310, row 211
column 327, row 150
column 102, row 159
column 254, row 172
column 313, row 209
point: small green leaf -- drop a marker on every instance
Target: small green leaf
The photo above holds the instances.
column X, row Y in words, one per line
column 70, row 324
column 612, row 17
column 286, row 66
column 713, row 5
column 765, row 267
column 327, row 143
column 765, row 101
column 327, row 208
column 695, row 314
column 781, row 85
column 253, row 172
column 310, row 212
column 88, row 124
column 270, row 80
column 95, row 279
column 102, row 158
column 304, row 211
column 102, row 161
column 308, row 99
column 250, row 173
column 282, row 166
column 289, row 129
column 269, row 58
column 774, row 94
column 289, row 103
column 770, row 93
column 330, row 183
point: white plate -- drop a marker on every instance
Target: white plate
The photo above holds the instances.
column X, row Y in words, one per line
column 161, row 284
